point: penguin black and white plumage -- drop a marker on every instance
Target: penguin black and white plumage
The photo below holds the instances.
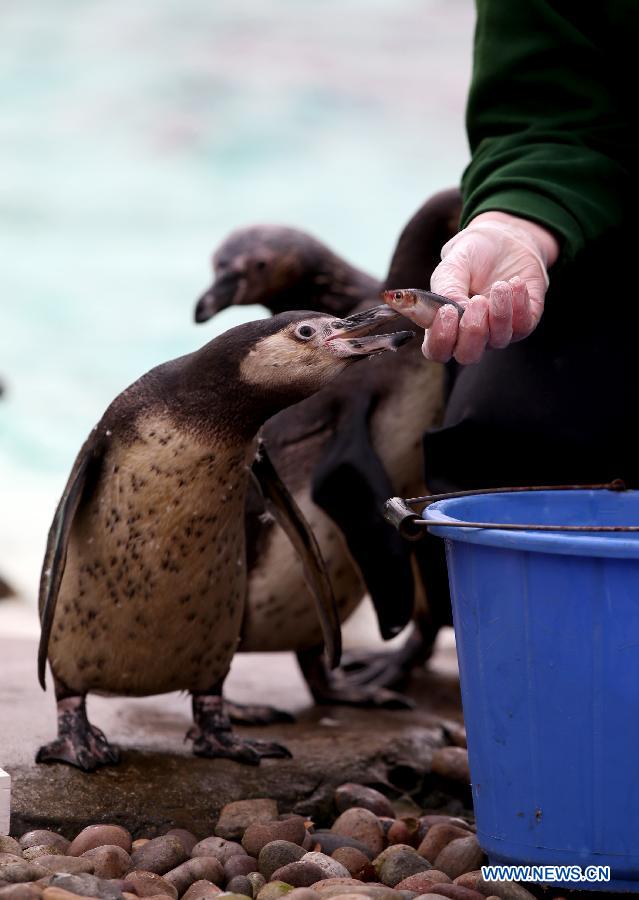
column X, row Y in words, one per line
column 144, row 580
column 342, row 453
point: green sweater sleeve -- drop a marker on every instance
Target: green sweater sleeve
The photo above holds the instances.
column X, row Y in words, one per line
column 547, row 140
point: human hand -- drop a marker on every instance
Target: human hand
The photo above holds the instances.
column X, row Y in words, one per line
column 496, row 267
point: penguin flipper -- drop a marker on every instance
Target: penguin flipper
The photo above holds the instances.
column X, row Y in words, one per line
column 351, row 485
column 291, row 519
column 55, row 556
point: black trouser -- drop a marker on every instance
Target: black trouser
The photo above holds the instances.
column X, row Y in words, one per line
column 556, row 408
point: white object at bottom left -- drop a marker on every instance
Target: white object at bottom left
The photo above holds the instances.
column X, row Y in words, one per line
column 5, row 801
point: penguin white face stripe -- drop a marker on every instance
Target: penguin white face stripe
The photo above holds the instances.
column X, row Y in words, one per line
column 317, row 349
column 280, row 358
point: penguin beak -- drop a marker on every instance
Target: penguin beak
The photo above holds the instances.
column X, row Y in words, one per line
column 353, row 336
column 224, row 292
column 366, row 321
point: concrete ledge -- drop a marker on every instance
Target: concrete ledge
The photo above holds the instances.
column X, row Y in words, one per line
column 159, row 783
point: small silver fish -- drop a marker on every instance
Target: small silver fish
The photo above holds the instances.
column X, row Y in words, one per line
column 420, row 306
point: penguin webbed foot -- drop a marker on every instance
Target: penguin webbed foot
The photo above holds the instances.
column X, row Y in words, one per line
column 213, row 736
column 388, row 669
column 336, row 689
column 255, row 714
column 226, row 745
column 79, row 743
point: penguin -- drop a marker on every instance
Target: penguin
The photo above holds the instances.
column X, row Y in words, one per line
column 284, row 269
column 5, row 589
column 144, row 580
column 342, row 453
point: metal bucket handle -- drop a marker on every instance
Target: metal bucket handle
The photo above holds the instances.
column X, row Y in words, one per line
column 413, row 527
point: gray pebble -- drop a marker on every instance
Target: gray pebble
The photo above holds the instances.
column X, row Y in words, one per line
column 362, row 825
column 299, row 874
column 187, row 837
column 274, row 890
column 42, row 850
column 460, row 856
column 239, row 865
column 257, row 882
column 257, row 836
column 330, row 842
column 200, row 868
column 374, row 891
column 240, row 885
column 148, row 884
column 350, row 794
column 26, row 891
column 42, row 836
column 219, row 848
column 160, row 855
column 236, row 817
column 201, row 890
column 429, row 896
column 276, row 854
column 99, row 835
column 452, row 763
column 87, row 886
column 108, row 861
column 400, row 865
column 331, row 867
column 14, row 873
column 505, row 890
column 69, row 865
column 229, row 895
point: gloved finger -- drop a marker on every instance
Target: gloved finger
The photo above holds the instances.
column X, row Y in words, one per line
column 451, row 278
column 523, row 320
column 500, row 315
column 473, row 331
column 441, row 337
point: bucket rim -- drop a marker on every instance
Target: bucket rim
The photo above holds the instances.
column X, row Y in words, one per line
column 564, row 543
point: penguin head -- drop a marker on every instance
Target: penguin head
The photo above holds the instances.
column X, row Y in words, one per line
column 245, row 375
column 303, row 351
column 261, row 264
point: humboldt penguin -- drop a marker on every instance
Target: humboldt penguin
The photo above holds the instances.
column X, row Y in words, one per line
column 144, row 579
column 340, row 453
column 284, row 269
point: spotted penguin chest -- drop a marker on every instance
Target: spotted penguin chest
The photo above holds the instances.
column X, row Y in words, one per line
column 153, row 592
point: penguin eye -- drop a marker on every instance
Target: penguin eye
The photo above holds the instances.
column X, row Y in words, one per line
column 305, row 332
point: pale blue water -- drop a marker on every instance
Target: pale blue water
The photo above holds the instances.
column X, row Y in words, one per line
column 135, row 135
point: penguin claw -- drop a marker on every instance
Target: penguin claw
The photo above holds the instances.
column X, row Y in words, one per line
column 255, row 714
column 389, row 669
column 79, row 743
column 365, row 696
column 335, row 688
column 226, row 745
column 87, row 752
column 270, row 749
column 375, row 669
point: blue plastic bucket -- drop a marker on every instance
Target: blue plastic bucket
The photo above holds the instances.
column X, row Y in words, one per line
column 547, row 630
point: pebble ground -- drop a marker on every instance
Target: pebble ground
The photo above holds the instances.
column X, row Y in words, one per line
column 257, row 852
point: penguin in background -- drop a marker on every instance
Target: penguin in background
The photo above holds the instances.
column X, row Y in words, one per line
column 342, row 453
